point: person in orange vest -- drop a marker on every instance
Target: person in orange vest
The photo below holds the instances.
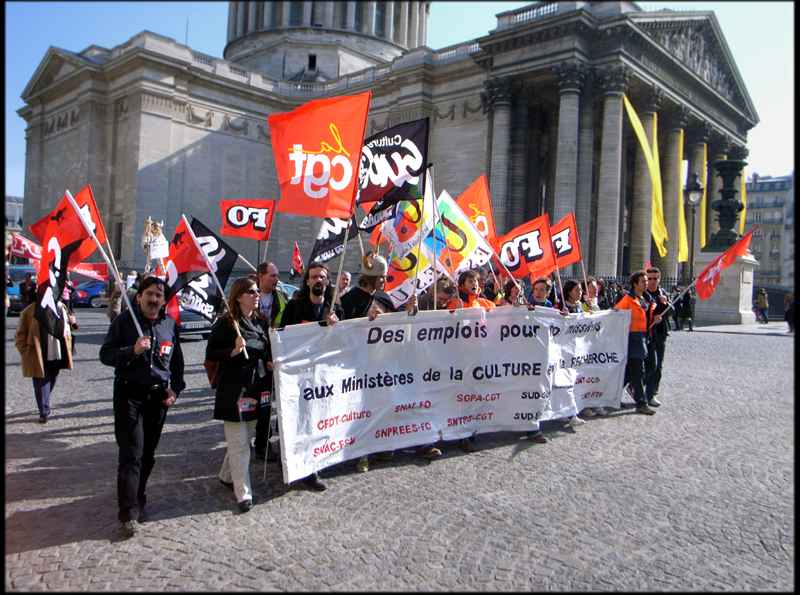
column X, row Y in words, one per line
column 468, row 295
column 640, row 356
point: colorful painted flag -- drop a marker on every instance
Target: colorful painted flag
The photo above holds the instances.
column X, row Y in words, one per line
column 247, row 218
column 185, row 262
column 24, row 247
column 406, row 145
column 477, row 205
column 297, row 264
column 402, row 272
column 463, row 246
column 317, row 151
column 527, row 249
column 708, row 279
column 403, row 232
column 330, row 239
column 565, row 241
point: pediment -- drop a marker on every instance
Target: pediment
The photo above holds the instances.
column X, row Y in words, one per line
column 695, row 40
column 56, row 65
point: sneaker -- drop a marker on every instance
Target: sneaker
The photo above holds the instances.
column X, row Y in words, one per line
column 43, row 419
column 654, row 402
column 537, row 437
column 466, row 445
column 431, row 452
column 576, row 421
column 588, row 412
column 384, row 456
column 645, row 409
column 130, row 528
column 246, row 505
column 599, row 411
column 363, row 465
column 227, row 484
column 315, row 482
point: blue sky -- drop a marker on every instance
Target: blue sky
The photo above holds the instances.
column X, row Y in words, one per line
column 760, row 36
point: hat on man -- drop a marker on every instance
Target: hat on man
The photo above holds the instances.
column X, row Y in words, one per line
column 374, row 266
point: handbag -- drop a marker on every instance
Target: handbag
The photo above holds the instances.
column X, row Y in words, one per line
column 212, row 371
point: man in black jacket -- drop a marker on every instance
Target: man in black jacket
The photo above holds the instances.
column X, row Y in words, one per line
column 312, row 303
column 658, row 342
column 148, row 377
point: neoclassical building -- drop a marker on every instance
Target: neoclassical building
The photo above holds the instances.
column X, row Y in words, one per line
column 161, row 130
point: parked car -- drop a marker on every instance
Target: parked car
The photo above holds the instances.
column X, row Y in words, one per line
column 89, row 293
column 17, row 275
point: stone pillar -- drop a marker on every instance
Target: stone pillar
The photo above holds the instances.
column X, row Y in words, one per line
column 329, row 10
column 413, row 25
column 402, row 38
column 718, row 148
column 308, row 11
column 583, row 192
column 252, row 8
column 519, row 140
column 500, row 94
column 286, row 14
column 240, row 14
column 370, row 17
column 423, row 23
column 623, row 264
column 232, row 6
column 552, row 163
column 697, row 134
column 266, row 16
column 388, row 21
column 533, row 205
column 615, row 82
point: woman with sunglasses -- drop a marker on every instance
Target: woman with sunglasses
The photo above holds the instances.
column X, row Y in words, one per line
column 243, row 385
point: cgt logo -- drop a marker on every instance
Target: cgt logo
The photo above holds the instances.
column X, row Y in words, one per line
column 525, row 248
column 316, row 171
column 239, row 216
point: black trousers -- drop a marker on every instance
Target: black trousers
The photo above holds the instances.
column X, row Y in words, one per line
column 636, row 372
column 139, row 418
column 653, row 380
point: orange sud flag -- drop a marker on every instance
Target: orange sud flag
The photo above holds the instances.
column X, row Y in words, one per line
column 318, row 155
column 527, row 249
column 475, row 203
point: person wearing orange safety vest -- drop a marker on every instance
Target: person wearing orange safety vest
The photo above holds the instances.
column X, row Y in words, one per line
column 640, row 360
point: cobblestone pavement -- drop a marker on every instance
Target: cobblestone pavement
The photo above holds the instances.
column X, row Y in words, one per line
column 697, row 497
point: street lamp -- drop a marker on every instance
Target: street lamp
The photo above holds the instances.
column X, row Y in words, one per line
column 693, row 194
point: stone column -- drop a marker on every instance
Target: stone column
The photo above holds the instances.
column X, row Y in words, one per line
column 286, row 14
column 552, row 163
column 252, row 8
column 232, row 6
column 329, row 10
column 388, row 20
column 308, row 11
column 351, row 16
column 370, row 17
column 413, row 25
column 642, row 205
column 240, row 15
column 533, row 205
column 500, row 94
column 266, row 16
column 402, row 38
column 583, row 192
column 697, row 134
column 718, row 148
column 615, row 82
column 423, row 23
column 519, row 139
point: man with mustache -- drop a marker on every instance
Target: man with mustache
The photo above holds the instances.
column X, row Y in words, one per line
column 148, row 377
column 313, row 302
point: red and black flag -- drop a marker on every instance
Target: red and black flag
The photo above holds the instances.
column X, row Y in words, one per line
column 297, row 264
column 330, row 239
column 185, row 262
column 65, row 244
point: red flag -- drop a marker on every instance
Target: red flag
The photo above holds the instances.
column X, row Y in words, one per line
column 565, row 241
column 185, row 262
column 475, row 203
column 24, row 247
column 39, row 229
column 97, row 271
column 377, row 235
column 173, row 308
column 648, row 265
column 708, row 279
column 318, row 155
column 297, row 263
column 247, row 218
column 527, row 248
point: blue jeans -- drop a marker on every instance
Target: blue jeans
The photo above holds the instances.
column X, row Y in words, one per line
column 42, row 387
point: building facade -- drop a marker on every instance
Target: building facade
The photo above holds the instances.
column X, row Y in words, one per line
column 160, row 130
column 770, row 205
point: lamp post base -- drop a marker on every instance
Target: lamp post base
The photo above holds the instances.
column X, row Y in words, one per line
column 732, row 300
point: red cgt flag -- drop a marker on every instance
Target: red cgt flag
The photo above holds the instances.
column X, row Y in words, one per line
column 186, row 261
column 297, row 263
column 318, row 155
column 565, row 241
column 708, row 279
column 247, row 218
column 475, row 203
column 527, row 249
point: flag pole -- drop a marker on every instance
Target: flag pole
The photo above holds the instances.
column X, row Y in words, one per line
column 422, row 224
column 250, row 265
column 266, row 245
column 344, row 248
column 671, row 305
column 560, row 288
column 214, row 276
column 585, row 282
column 113, row 262
column 105, row 257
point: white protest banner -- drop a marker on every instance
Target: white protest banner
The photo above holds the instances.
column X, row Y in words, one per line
column 360, row 387
column 159, row 248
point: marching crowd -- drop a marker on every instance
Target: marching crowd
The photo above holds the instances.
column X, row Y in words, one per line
column 149, row 365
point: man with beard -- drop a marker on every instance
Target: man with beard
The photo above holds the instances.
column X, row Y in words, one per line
column 148, row 377
column 271, row 303
column 344, row 285
column 369, row 299
column 313, row 303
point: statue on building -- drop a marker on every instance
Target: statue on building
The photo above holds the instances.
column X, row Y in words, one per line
column 152, row 232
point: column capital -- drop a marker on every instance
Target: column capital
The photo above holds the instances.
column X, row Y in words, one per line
column 500, row 91
column 653, row 98
column 738, row 153
column 615, row 79
column 571, row 76
column 698, row 132
column 719, row 145
column 676, row 116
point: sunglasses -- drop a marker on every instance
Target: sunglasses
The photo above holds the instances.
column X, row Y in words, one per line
column 251, row 291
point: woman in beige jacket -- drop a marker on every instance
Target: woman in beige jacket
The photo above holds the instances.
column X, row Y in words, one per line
column 43, row 355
